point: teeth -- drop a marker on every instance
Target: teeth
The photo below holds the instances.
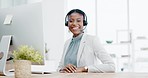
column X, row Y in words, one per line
column 75, row 28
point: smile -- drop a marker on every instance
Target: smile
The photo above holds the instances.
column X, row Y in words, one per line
column 75, row 28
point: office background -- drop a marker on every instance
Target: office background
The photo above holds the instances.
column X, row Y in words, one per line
column 124, row 22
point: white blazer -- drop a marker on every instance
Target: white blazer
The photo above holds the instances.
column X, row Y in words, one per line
column 90, row 51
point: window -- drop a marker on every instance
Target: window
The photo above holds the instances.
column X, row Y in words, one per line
column 13, row 3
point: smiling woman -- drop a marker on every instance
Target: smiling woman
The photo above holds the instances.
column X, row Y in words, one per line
column 81, row 46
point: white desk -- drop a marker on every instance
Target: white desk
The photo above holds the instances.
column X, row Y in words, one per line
column 89, row 75
column 84, row 75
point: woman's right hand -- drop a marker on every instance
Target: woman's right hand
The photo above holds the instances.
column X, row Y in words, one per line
column 69, row 68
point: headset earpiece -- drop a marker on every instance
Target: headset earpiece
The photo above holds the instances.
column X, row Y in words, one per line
column 66, row 23
column 66, row 20
column 84, row 23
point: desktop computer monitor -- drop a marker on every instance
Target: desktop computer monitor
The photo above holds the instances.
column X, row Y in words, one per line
column 26, row 26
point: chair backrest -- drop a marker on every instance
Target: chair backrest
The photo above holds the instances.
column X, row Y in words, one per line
column 4, row 49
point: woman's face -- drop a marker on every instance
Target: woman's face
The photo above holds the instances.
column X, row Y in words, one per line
column 75, row 23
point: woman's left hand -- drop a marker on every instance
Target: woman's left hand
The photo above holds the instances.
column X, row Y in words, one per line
column 80, row 70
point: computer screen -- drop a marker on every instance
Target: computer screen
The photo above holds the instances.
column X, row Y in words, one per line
column 26, row 26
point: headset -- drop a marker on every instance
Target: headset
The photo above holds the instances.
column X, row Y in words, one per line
column 76, row 11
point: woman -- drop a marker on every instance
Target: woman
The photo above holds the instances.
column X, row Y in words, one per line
column 82, row 51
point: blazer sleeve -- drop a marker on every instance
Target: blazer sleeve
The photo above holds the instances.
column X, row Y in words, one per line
column 107, row 65
column 61, row 63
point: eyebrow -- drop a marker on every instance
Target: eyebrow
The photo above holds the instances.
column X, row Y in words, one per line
column 77, row 19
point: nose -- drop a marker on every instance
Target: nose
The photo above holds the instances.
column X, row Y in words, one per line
column 74, row 23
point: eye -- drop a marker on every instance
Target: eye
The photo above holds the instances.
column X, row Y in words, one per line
column 70, row 20
column 79, row 20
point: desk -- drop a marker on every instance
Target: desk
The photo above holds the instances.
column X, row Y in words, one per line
column 88, row 75
column 84, row 75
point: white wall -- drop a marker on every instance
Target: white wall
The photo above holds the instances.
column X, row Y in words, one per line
column 33, row 1
column 53, row 21
column 6, row 3
column 138, row 17
column 112, row 16
column 19, row 2
column 0, row 4
column 13, row 3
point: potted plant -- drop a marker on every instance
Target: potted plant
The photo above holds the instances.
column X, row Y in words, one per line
column 23, row 57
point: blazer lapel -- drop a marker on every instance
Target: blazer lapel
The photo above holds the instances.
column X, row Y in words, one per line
column 82, row 43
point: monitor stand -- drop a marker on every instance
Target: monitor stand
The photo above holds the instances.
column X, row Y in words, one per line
column 4, row 49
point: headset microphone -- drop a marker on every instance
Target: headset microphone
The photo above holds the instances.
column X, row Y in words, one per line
column 83, row 29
